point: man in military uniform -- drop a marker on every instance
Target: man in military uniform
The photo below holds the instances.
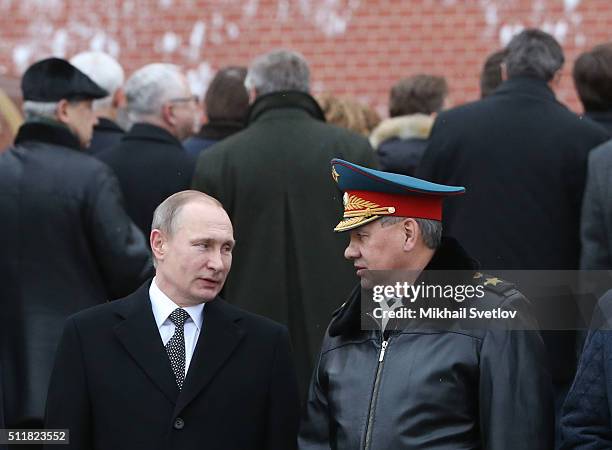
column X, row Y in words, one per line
column 405, row 388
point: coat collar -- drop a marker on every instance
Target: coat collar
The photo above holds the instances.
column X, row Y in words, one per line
column 285, row 99
column 449, row 256
column 148, row 132
column 105, row 124
column 526, row 86
column 221, row 334
column 219, row 129
column 48, row 133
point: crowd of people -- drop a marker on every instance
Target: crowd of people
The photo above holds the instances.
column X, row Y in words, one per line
column 126, row 202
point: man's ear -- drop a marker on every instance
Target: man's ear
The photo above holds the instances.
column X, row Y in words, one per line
column 167, row 114
column 556, row 80
column 119, row 99
column 158, row 244
column 62, row 112
column 411, row 234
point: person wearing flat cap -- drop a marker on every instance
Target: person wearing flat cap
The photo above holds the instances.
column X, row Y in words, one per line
column 67, row 242
column 402, row 387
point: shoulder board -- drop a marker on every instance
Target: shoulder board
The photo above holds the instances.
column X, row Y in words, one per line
column 494, row 284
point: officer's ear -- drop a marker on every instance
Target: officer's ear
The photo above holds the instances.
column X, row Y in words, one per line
column 411, row 234
column 158, row 244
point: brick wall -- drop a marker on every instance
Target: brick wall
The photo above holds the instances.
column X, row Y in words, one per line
column 355, row 47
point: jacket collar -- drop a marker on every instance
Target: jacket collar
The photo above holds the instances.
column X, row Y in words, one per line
column 449, row 256
column 48, row 133
column 148, row 132
column 285, row 99
column 219, row 129
column 526, row 86
column 138, row 333
column 105, row 124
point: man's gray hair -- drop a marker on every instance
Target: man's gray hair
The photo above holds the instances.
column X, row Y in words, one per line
column 33, row 110
column 431, row 230
column 533, row 53
column 104, row 70
column 279, row 70
column 150, row 87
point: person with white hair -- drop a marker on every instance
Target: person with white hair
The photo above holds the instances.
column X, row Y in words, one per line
column 150, row 161
column 282, row 201
column 107, row 73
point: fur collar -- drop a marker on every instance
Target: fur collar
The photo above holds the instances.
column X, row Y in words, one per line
column 402, row 127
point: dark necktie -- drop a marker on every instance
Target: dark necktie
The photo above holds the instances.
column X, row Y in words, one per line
column 176, row 345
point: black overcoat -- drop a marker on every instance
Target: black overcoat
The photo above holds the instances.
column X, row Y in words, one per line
column 67, row 244
column 274, row 180
column 151, row 165
column 113, row 386
column 522, row 157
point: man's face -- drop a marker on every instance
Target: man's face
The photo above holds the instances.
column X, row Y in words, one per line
column 186, row 113
column 374, row 247
column 80, row 118
column 197, row 257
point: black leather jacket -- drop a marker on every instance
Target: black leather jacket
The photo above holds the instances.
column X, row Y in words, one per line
column 468, row 389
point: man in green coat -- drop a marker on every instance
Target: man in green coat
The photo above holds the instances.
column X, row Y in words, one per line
column 273, row 180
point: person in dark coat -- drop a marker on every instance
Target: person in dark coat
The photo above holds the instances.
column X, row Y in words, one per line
column 67, row 241
column 406, row 386
column 172, row 366
column 400, row 141
column 491, row 75
column 106, row 72
column 523, row 156
column 226, row 105
column 587, row 412
column 593, row 80
column 150, row 161
column 596, row 220
column 270, row 177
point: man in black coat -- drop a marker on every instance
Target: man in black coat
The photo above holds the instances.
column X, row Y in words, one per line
column 150, row 161
column 67, row 242
column 173, row 366
column 593, row 80
column 106, row 72
column 523, row 157
column 226, row 104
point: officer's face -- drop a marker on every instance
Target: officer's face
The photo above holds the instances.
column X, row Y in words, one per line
column 374, row 247
column 193, row 263
column 80, row 118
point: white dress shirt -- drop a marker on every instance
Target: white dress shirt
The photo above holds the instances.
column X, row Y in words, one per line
column 163, row 307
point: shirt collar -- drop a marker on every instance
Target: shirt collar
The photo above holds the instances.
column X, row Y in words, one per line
column 163, row 306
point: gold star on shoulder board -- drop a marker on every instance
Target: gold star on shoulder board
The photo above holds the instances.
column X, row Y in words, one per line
column 492, row 281
column 335, row 175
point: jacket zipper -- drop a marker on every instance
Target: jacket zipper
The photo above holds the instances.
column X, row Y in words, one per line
column 370, row 422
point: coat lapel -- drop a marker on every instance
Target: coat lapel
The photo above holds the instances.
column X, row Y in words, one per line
column 219, row 337
column 140, row 337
